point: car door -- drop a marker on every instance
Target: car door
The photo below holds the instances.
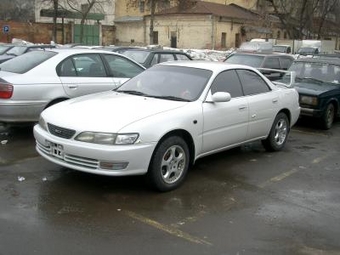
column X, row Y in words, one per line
column 83, row 74
column 225, row 123
column 262, row 103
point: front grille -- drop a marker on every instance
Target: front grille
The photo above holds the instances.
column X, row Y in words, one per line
column 60, row 132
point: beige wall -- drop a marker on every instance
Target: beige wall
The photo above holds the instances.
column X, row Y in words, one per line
column 200, row 32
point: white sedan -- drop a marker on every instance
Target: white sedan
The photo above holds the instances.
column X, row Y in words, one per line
column 164, row 119
column 38, row 79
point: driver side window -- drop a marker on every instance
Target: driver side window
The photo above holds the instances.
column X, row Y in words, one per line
column 227, row 81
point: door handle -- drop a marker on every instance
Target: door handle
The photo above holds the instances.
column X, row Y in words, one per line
column 73, row 86
column 275, row 100
column 242, row 107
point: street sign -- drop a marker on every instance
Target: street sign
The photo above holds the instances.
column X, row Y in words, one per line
column 5, row 29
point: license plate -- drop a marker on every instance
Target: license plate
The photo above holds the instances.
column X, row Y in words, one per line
column 57, row 150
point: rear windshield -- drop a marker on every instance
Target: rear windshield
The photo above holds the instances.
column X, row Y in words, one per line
column 250, row 60
column 26, row 62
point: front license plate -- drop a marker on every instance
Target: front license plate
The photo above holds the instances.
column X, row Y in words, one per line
column 57, row 150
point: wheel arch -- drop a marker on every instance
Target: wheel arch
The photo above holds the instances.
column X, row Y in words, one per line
column 288, row 114
column 55, row 101
column 187, row 138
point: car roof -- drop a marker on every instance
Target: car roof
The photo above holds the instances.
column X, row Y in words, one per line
column 157, row 50
column 332, row 61
column 262, row 54
column 208, row 65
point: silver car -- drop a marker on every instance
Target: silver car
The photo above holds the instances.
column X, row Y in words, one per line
column 36, row 80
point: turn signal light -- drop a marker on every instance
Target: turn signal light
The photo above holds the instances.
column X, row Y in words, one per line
column 6, row 90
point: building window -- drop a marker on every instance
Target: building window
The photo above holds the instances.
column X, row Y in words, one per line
column 155, row 37
column 278, row 34
column 141, row 5
column 224, row 40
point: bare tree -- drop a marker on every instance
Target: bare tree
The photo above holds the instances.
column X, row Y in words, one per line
column 326, row 8
column 297, row 16
column 18, row 10
column 84, row 9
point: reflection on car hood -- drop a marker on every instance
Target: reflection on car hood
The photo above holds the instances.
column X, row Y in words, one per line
column 106, row 112
column 314, row 88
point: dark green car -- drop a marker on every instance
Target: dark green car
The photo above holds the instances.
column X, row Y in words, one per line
column 318, row 84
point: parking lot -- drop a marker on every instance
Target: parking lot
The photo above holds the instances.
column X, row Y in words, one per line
column 241, row 201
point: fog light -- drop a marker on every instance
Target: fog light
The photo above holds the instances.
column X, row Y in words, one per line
column 113, row 165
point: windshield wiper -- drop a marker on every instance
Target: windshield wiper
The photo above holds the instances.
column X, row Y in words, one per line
column 132, row 92
column 172, row 98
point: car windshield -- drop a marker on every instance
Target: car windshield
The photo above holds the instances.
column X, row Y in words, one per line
column 168, row 82
column 3, row 48
column 245, row 59
column 317, row 71
column 26, row 62
column 137, row 55
column 306, row 50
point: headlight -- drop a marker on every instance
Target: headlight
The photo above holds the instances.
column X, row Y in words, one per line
column 42, row 123
column 106, row 138
column 309, row 100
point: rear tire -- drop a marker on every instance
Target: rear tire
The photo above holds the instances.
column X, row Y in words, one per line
column 169, row 164
column 278, row 134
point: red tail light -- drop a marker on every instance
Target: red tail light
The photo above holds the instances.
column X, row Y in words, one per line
column 6, row 90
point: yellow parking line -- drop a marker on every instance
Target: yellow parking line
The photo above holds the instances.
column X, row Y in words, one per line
column 289, row 173
column 167, row 229
column 278, row 178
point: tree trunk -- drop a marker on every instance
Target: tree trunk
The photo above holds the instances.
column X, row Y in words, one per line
column 55, row 8
column 152, row 18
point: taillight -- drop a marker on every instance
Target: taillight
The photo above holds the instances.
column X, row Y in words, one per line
column 6, row 90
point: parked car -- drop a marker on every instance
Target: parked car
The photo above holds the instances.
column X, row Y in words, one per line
column 5, row 47
column 282, row 48
column 164, row 119
column 18, row 50
column 36, row 80
column 263, row 61
column 318, row 84
column 150, row 57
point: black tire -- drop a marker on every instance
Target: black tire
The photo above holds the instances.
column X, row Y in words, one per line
column 328, row 117
column 169, row 164
column 278, row 134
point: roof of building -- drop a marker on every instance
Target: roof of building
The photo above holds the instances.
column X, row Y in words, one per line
column 201, row 7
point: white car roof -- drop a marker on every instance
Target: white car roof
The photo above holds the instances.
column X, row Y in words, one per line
column 209, row 65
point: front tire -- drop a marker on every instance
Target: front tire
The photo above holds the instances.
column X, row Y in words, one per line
column 328, row 117
column 169, row 164
column 278, row 135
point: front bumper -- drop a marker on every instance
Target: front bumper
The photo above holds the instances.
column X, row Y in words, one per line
column 90, row 158
column 311, row 112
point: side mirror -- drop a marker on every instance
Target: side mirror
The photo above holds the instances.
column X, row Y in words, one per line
column 221, row 97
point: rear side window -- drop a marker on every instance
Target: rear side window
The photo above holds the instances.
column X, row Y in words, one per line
column 24, row 63
column 122, row 67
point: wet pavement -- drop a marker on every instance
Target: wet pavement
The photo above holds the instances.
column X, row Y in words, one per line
column 242, row 201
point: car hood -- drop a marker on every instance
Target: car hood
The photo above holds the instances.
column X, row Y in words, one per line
column 106, row 112
column 315, row 88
